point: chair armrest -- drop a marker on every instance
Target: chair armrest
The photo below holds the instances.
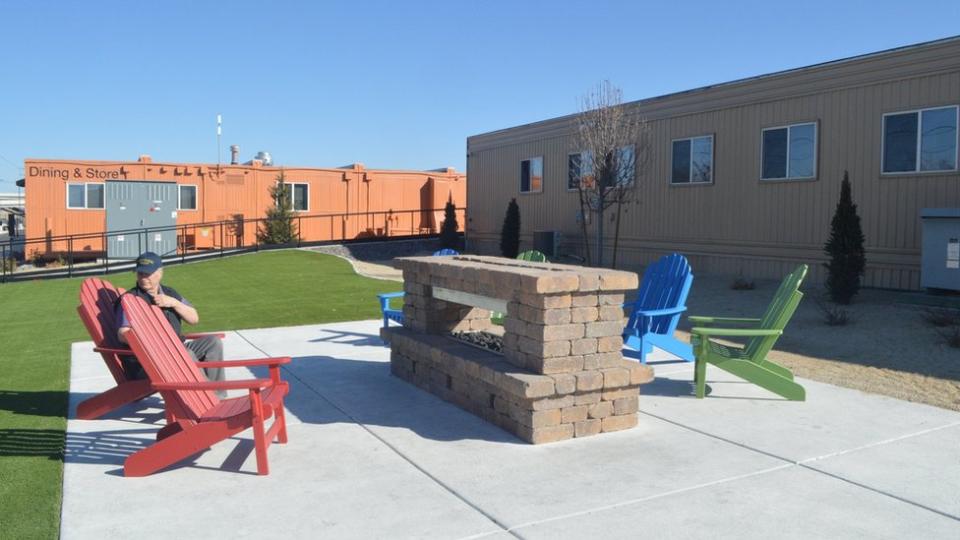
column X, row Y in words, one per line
column 699, row 319
column 111, row 350
column 280, row 360
column 247, row 384
column 661, row 312
column 195, row 336
column 734, row 332
column 385, row 299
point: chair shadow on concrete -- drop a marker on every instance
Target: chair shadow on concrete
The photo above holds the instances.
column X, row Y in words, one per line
column 357, row 339
column 148, row 410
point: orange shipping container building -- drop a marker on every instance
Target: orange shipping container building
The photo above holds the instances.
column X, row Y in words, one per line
column 71, row 197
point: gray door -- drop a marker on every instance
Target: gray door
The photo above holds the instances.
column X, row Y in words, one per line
column 141, row 205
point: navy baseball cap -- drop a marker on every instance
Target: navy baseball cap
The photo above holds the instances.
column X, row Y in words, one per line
column 148, row 263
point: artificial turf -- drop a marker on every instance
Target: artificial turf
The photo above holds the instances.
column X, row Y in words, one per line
column 278, row 288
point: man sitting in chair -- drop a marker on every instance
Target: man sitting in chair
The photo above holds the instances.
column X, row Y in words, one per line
column 177, row 310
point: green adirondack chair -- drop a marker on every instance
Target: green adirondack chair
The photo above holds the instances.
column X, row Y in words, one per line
column 532, row 255
column 750, row 362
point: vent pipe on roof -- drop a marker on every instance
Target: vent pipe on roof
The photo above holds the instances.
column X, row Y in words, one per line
column 234, row 154
column 265, row 158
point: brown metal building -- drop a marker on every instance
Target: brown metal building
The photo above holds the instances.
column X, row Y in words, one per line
column 743, row 177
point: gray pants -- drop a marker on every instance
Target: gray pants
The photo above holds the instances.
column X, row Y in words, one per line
column 209, row 348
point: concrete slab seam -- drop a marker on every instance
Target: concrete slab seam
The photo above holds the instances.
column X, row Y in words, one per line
column 803, row 463
column 652, row 497
column 719, row 438
column 881, row 492
column 878, row 443
column 394, row 449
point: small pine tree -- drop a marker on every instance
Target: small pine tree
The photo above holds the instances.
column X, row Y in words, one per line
column 510, row 234
column 449, row 237
column 278, row 227
column 845, row 249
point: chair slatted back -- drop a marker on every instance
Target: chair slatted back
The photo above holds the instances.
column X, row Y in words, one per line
column 778, row 313
column 97, row 310
column 532, row 255
column 666, row 284
column 165, row 359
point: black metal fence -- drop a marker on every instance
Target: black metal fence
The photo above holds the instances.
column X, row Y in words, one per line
column 89, row 253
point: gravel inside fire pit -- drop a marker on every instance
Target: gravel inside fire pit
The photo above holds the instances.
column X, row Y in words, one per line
column 484, row 340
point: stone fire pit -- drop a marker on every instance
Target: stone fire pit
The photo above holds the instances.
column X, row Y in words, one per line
column 561, row 374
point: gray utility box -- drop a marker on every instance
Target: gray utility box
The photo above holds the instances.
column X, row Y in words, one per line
column 547, row 242
column 940, row 267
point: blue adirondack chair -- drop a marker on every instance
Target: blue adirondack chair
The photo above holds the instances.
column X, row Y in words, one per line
column 656, row 311
column 394, row 314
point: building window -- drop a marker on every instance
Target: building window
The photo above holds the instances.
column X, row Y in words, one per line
column 789, row 152
column 920, row 141
column 187, row 199
column 579, row 170
column 80, row 196
column 692, row 160
column 626, row 165
column 301, row 197
column 531, row 175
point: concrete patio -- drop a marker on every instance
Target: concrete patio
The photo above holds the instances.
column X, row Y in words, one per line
column 371, row 456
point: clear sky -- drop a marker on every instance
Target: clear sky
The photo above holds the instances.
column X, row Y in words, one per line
column 388, row 84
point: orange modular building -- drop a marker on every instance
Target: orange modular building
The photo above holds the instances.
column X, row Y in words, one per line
column 71, row 197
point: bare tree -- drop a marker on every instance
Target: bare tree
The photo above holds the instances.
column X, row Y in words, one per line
column 612, row 142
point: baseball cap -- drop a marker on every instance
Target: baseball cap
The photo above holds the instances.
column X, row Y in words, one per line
column 148, row 263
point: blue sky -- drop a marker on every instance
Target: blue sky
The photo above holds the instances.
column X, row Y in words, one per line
column 387, row 84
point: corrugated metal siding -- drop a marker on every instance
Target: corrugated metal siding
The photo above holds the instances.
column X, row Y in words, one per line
column 244, row 191
column 741, row 224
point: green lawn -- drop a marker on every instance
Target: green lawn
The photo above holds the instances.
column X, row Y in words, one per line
column 279, row 288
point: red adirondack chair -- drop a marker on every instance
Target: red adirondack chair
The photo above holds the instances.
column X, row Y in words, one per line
column 199, row 418
column 97, row 311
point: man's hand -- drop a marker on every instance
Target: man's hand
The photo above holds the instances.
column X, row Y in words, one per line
column 165, row 301
column 187, row 312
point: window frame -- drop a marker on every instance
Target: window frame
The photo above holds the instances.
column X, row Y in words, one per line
column 690, row 182
column 917, row 170
column 196, row 200
column 816, row 153
column 542, row 175
column 293, row 195
column 86, row 199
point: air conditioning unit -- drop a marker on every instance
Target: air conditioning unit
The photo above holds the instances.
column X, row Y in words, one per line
column 547, row 242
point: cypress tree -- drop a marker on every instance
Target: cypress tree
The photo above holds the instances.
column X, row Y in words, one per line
column 845, row 249
column 449, row 237
column 510, row 233
column 278, row 226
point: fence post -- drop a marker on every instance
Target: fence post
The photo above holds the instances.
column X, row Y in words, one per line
column 299, row 230
column 221, row 238
column 183, row 250
column 3, row 259
column 70, row 257
column 106, row 255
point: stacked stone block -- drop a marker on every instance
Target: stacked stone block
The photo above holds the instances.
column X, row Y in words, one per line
column 561, row 374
